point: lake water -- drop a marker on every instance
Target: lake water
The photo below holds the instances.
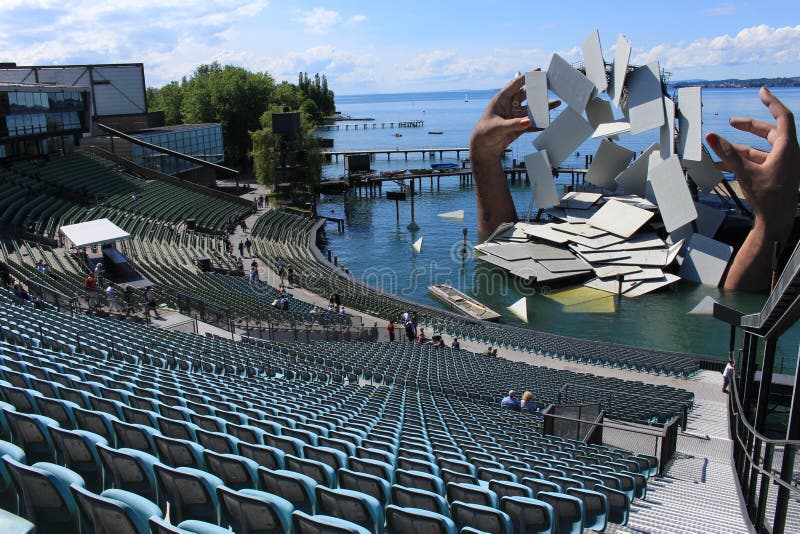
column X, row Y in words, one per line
column 378, row 250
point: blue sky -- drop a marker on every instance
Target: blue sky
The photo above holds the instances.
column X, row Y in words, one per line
column 375, row 46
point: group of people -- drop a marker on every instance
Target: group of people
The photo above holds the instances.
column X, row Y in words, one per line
column 527, row 404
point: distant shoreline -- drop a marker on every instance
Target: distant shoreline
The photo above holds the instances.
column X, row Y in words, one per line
column 734, row 83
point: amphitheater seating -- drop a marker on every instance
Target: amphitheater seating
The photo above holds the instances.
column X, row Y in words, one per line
column 389, row 435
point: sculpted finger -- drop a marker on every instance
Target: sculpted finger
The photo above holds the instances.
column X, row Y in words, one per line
column 554, row 103
column 725, row 150
column 754, row 126
column 782, row 114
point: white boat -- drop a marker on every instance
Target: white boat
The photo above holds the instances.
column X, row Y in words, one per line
column 466, row 98
column 461, row 303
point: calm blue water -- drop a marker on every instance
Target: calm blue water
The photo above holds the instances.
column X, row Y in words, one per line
column 378, row 250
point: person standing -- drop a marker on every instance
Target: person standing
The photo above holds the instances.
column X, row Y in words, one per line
column 111, row 297
column 726, row 374
column 150, row 302
column 247, row 245
column 390, row 328
column 456, row 345
column 253, row 272
column 90, row 285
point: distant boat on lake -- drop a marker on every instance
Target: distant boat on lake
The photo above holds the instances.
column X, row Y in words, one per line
column 466, row 98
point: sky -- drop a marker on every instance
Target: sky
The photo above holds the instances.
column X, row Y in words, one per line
column 387, row 47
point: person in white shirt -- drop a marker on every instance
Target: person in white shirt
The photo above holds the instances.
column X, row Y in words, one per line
column 111, row 297
column 726, row 375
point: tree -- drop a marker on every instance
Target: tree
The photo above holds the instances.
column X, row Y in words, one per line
column 168, row 99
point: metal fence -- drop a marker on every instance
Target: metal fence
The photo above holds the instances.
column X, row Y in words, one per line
column 768, row 473
column 311, row 332
column 205, row 310
column 49, row 295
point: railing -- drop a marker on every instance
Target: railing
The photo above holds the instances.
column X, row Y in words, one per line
column 767, row 473
column 560, row 420
column 49, row 295
column 640, row 440
column 205, row 310
column 188, row 326
column 311, row 332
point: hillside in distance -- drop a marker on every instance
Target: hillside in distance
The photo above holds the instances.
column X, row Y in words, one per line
column 793, row 81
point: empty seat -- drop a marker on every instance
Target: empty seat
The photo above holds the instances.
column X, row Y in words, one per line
column 323, row 524
column 372, row 485
column 399, row 520
column 191, row 493
column 263, row 455
column 618, row 504
column 131, row 470
column 179, row 452
column 44, row 488
column 595, row 508
column 567, row 509
column 538, row 485
column 531, row 516
column 78, row 451
column 328, row 456
column 418, row 498
column 14, row 524
column 472, row 493
column 419, row 479
column 449, row 476
column 296, row 488
column 32, row 434
column 136, row 436
column 510, row 489
column 190, row 526
column 483, row 518
column 8, row 492
column 116, row 511
column 250, row 511
column 320, row 472
column 372, row 467
column 58, row 409
column 98, row 422
column 236, row 472
column 353, row 506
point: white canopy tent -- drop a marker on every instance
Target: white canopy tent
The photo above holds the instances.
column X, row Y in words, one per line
column 91, row 233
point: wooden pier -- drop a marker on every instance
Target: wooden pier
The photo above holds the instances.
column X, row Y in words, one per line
column 371, row 125
column 371, row 185
column 431, row 152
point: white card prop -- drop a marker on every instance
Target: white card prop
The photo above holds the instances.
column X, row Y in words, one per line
column 667, row 132
column 612, row 271
column 569, row 84
column 540, row 174
column 609, row 160
column 704, row 173
column 690, row 123
column 619, row 218
column 634, row 179
column 611, row 285
column 705, row 260
column 646, row 273
column 645, row 104
column 417, row 245
column 611, row 129
column 520, row 309
column 457, row 215
column 563, row 136
column 672, row 195
column 621, row 57
column 648, row 286
column 579, row 200
column 638, row 242
column 538, row 104
column 544, row 231
column 593, row 61
column 599, row 111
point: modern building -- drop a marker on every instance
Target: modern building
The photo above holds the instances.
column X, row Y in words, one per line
column 203, row 141
column 41, row 119
column 117, row 91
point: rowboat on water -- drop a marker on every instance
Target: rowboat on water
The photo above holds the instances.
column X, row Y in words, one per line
column 461, row 303
column 443, row 166
column 397, row 172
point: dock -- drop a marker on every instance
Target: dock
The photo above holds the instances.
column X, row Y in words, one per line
column 368, row 125
column 431, row 152
column 371, row 185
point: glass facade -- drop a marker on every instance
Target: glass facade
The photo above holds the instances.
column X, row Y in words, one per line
column 203, row 141
column 36, row 113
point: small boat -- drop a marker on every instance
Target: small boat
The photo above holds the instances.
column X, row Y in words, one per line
column 440, row 166
column 466, row 98
column 398, row 135
column 461, row 303
column 397, row 172
column 435, row 132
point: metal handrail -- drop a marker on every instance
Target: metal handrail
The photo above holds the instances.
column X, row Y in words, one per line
column 790, row 273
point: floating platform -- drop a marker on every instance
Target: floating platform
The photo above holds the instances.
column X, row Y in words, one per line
column 461, row 303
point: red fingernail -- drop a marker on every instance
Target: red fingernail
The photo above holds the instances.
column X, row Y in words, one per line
column 713, row 139
column 525, row 122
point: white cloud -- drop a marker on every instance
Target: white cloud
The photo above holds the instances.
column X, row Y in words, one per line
column 724, row 9
column 755, row 45
column 355, row 20
column 319, row 20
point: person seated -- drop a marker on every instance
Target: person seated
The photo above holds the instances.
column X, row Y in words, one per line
column 528, row 404
column 488, row 351
column 421, row 337
column 494, row 352
column 455, row 344
column 768, row 180
column 510, row 402
column 437, row 341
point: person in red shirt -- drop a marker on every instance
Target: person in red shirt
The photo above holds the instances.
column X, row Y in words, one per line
column 90, row 285
column 390, row 328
